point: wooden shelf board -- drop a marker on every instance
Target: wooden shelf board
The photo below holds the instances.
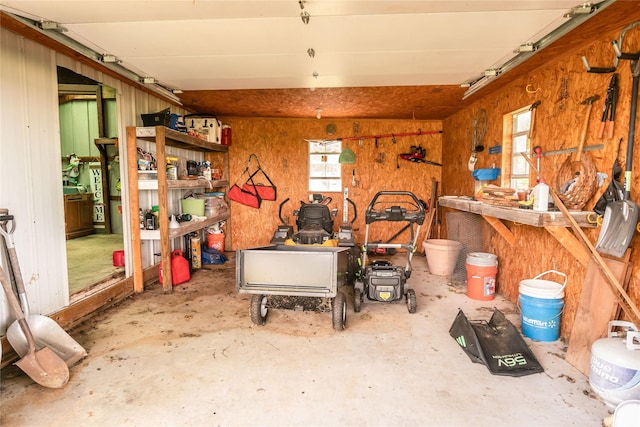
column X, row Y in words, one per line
column 180, row 140
column 182, row 184
column 521, row 216
column 185, row 228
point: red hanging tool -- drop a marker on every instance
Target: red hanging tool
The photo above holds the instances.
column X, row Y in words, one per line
column 538, row 152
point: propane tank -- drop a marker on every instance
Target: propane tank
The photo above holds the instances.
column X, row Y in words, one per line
column 615, row 364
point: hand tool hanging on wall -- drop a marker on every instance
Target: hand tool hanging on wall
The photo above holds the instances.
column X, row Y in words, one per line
column 614, row 191
column 576, row 165
column 532, row 134
column 417, row 155
column 537, row 150
column 609, row 110
column 532, row 127
column 479, row 129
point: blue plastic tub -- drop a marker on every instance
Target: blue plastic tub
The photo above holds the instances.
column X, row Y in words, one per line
column 486, row 174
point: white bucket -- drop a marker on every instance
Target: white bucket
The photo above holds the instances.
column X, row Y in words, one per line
column 545, row 289
column 442, row 255
column 627, row 414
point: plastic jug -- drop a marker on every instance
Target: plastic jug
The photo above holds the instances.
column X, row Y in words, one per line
column 180, row 271
column 541, row 197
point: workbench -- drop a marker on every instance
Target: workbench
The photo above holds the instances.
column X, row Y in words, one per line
column 554, row 222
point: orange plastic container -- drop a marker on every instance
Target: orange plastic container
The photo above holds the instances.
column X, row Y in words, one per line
column 180, row 271
column 216, row 241
column 482, row 269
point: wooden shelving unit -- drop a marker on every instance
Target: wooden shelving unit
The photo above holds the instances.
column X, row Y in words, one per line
column 164, row 137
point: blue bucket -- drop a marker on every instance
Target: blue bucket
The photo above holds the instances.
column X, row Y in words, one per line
column 540, row 317
column 541, row 303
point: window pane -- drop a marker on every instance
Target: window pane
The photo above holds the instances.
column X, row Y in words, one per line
column 519, row 183
column 325, row 147
column 521, row 122
column 325, row 185
column 325, row 171
column 519, row 166
column 520, row 144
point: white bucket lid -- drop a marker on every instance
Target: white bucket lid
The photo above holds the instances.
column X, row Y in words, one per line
column 627, row 414
column 538, row 288
column 482, row 259
column 546, row 289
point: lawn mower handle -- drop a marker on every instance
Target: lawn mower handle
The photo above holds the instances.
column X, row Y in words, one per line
column 355, row 210
column 395, row 214
column 280, row 211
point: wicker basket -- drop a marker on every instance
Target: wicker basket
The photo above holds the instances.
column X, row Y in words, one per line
column 575, row 190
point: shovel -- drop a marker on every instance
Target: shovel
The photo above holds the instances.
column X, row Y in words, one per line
column 43, row 366
column 621, row 217
column 45, row 332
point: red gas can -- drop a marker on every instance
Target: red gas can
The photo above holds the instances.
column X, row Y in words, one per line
column 180, row 272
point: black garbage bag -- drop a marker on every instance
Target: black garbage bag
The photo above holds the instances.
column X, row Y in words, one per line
column 497, row 344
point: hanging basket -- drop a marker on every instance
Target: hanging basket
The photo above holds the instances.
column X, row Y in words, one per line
column 575, row 190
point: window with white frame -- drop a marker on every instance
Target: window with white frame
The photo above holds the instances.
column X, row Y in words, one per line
column 520, row 144
column 325, row 171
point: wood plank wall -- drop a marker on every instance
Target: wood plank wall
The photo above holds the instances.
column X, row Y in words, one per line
column 560, row 117
column 283, row 152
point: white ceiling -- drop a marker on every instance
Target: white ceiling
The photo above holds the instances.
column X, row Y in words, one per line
column 215, row 45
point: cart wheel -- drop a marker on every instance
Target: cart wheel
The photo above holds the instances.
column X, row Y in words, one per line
column 411, row 301
column 339, row 311
column 357, row 300
column 259, row 309
column 391, row 251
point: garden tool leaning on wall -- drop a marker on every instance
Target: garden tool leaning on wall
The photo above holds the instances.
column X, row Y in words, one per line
column 45, row 332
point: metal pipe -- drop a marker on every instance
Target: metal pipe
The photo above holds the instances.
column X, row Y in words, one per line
column 391, row 135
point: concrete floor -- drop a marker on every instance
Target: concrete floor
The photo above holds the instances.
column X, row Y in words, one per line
column 193, row 358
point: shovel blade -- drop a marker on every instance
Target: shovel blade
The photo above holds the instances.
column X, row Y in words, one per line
column 45, row 368
column 618, row 227
column 46, row 333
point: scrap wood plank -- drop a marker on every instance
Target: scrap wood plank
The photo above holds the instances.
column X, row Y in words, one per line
column 433, row 202
column 598, row 305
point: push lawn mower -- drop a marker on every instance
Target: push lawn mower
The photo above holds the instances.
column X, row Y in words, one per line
column 380, row 281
